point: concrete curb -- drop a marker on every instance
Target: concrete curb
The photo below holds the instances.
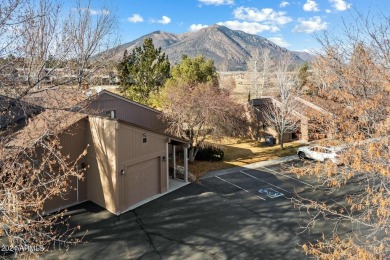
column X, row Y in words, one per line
column 249, row 166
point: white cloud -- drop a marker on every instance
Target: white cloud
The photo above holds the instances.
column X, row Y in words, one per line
column 328, row 11
column 163, row 20
column 217, row 2
column 197, row 27
column 308, row 26
column 135, row 18
column 267, row 15
column 310, row 6
column 95, row 12
column 279, row 41
column 249, row 27
column 340, row 5
column 283, row 4
column 310, row 51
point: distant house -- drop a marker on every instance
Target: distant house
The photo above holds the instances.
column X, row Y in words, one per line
column 127, row 161
column 320, row 114
column 309, row 111
column 15, row 112
column 259, row 107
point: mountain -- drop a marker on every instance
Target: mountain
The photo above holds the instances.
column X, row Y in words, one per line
column 304, row 55
column 231, row 50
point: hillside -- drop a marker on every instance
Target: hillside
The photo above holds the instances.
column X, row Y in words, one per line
column 231, row 50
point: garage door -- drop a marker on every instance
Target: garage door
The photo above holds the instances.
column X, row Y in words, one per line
column 142, row 180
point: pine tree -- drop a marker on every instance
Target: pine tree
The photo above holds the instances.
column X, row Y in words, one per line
column 303, row 74
column 143, row 72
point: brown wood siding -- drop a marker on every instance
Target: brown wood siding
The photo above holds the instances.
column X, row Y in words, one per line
column 131, row 148
column 287, row 137
column 127, row 111
column 69, row 198
column 73, row 143
column 132, row 151
column 102, row 172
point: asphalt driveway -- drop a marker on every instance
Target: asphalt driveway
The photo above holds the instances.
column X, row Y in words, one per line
column 223, row 217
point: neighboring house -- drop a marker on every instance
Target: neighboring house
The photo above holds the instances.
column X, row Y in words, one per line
column 13, row 112
column 127, row 161
column 260, row 106
column 309, row 111
column 320, row 114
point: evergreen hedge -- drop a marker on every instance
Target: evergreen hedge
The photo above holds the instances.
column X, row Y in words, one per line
column 209, row 153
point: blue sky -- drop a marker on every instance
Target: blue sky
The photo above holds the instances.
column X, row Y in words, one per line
column 287, row 23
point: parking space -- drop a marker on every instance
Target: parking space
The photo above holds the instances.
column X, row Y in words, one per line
column 245, row 214
column 263, row 183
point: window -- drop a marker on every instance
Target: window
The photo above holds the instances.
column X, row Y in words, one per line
column 111, row 114
column 320, row 150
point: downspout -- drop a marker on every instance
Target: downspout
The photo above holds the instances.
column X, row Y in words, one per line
column 77, row 185
column 167, row 162
column 185, row 164
column 118, row 174
column 174, row 160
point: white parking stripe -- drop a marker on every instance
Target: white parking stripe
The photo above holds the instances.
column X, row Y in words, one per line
column 275, row 172
column 236, row 186
column 265, row 181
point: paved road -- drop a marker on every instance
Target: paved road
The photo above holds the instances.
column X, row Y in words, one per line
column 223, row 217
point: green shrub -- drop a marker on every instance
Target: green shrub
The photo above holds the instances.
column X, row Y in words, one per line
column 209, row 153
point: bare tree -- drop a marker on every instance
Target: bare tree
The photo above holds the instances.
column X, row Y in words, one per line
column 91, row 33
column 261, row 65
column 227, row 82
column 33, row 168
column 201, row 112
column 39, row 38
column 41, row 43
column 281, row 112
column 354, row 72
column 33, row 171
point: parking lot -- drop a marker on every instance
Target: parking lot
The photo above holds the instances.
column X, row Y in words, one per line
column 261, row 182
column 246, row 214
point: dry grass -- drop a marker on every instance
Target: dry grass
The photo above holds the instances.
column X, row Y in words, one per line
column 242, row 152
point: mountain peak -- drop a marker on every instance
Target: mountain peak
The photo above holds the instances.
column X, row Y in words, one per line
column 230, row 49
column 215, row 26
column 159, row 33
